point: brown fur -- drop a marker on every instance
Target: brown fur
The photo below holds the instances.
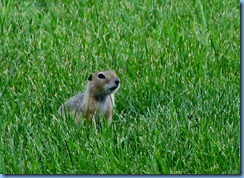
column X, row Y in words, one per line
column 96, row 100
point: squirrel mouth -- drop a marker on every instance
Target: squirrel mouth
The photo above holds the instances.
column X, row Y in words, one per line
column 113, row 88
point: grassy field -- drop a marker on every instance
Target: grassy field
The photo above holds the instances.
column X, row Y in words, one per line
column 178, row 107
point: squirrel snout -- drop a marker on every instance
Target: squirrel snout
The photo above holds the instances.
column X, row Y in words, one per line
column 117, row 82
column 113, row 86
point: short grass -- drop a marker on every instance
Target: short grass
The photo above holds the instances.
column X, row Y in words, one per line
column 178, row 107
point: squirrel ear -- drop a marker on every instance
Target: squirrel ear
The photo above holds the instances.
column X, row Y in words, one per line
column 90, row 77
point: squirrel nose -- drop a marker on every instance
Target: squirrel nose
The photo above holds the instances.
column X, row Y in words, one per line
column 117, row 82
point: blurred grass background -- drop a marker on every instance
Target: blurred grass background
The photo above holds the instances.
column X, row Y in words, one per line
column 178, row 107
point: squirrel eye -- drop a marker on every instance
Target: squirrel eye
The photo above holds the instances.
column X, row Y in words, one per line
column 100, row 75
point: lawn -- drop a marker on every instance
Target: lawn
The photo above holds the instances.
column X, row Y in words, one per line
column 177, row 110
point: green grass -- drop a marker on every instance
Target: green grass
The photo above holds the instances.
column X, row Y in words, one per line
column 178, row 107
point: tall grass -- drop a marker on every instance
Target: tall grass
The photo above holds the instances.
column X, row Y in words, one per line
column 178, row 107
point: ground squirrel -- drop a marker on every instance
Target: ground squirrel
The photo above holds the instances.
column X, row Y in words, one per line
column 96, row 100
